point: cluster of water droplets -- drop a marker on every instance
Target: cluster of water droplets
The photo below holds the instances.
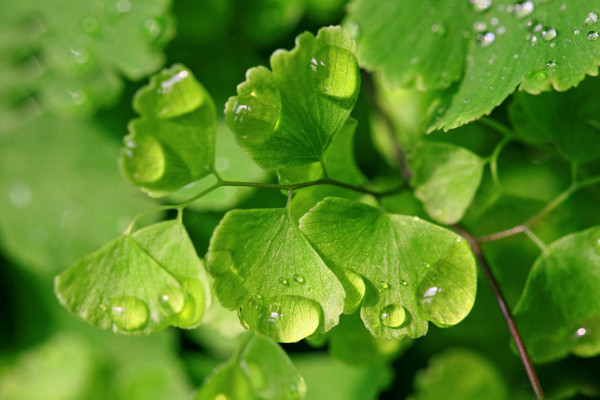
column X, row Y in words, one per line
column 591, row 20
column 297, row 278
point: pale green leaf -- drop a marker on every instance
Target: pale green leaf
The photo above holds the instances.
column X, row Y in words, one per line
column 287, row 117
column 570, row 120
column 486, row 49
column 459, row 374
column 260, row 370
column 558, row 312
column 173, row 143
column 330, row 379
column 445, row 178
column 138, row 283
column 413, row 271
column 61, row 193
column 264, row 266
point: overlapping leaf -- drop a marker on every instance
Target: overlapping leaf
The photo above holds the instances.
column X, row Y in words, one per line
column 173, row 143
column 138, row 283
column 558, row 312
column 445, row 178
column 264, row 266
column 411, row 271
column 261, row 370
column 287, row 117
column 481, row 51
column 570, row 120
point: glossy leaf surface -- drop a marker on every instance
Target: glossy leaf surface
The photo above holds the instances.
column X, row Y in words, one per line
column 287, row 116
column 173, row 143
column 412, row 271
column 138, row 283
column 264, row 267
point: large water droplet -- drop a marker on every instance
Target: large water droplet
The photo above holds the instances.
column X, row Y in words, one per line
column 254, row 115
column 335, row 71
column 194, row 304
column 392, row 315
column 485, row 39
column 523, row 9
column 549, row 33
column 128, row 313
column 591, row 18
column 171, row 300
column 284, row 318
column 145, row 159
column 592, row 35
column 481, row 5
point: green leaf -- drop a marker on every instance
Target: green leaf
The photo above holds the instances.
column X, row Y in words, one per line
column 459, row 374
column 287, row 117
column 264, row 266
column 480, row 52
column 173, row 143
column 80, row 49
column 138, row 283
column 445, row 178
column 558, row 312
column 260, row 370
column 56, row 209
column 413, row 271
column 568, row 120
column 330, row 379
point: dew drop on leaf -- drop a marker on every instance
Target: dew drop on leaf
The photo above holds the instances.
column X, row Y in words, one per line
column 335, row 72
column 128, row 313
column 592, row 35
column 255, row 116
column 591, row 18
column 523, row 9
column 549, row 33
column 479, row 26
column 284, row 281
column 481, row 5
column 384, row 285
column 194, row 304
column 485, row 39
column 89, row 24
column 403, row 282
column 299, row 279
column 392, row 315
column 151, row 166
column 152, row 28
column 171, row 300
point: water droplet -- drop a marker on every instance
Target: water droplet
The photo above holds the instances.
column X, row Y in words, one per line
column 426, row 265
column 501, row 30
column 576, row 32
column 523, row 9
column 252, row 304
column 254, row 114
column 439, row 28
column 563, row 7
column 194, row 304
column 102, row 307
column 299, row 279
column 551, row 64
column 153, row 28
column 171, row 300
column 485, row 39
column 384, row 285
column 538, row 27
column 128, row 313
column 591, row 18
column 592, row 35
column 481, row 5
column 580, row 332
column 494, row 21
column 413, row 60
column 403, row 282
column 145, row 162
column 284, row 281
column 20, row 195
column 123, row 6
column 335, row 72
column 549, row 33
column 392, row 315
column 479, row 26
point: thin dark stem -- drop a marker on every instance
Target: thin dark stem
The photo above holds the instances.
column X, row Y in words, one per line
column 510, row 321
